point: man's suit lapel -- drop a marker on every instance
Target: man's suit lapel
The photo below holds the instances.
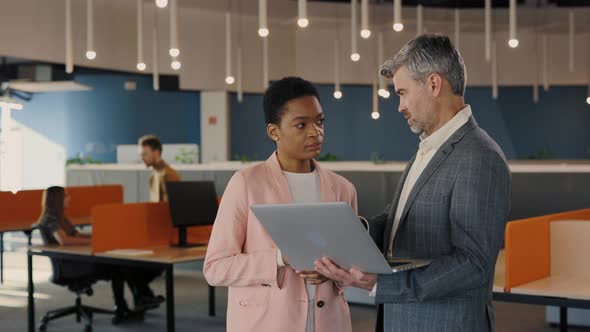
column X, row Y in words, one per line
column 432, row 166
column 394, row 203
column 443, row 152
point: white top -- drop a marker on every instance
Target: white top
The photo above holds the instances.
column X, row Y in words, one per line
column 158, row 175
column 305, row 188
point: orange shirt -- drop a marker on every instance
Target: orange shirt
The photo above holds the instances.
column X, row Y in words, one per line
column 161, row 173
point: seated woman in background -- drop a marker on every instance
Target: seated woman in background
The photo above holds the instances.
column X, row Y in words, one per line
column 56, row 229
column 265, row 293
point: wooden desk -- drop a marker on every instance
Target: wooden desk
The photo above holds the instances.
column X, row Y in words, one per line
column 571, row 287
column 26, row 226
column 165, row 254
column 562, row 292
column 161, row 257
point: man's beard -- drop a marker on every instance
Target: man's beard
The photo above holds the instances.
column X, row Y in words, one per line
column 416, row 129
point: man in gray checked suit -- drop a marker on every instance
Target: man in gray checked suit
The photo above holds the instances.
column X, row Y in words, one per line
column 451, row 205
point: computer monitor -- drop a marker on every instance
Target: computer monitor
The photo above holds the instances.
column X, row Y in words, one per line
column 192, row 203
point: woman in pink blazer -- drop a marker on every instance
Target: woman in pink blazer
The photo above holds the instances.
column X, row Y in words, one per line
column 265, row 293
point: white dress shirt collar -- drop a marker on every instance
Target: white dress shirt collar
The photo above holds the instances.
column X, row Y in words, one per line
column 436, row 139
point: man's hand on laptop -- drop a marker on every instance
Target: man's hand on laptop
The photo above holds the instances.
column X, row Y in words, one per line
column 352, row 277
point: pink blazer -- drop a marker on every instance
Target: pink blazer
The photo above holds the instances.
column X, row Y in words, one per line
column 242, row 256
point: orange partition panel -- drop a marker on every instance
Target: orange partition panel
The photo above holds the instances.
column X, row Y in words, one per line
column 22, row 207
column 130, row 226
column 198, row 234
column 583, row 214
column 528, row 246
column 6, row 203
column 527, row 251
column 83, row 199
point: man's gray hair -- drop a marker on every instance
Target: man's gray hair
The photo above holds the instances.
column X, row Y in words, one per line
column 429, row 54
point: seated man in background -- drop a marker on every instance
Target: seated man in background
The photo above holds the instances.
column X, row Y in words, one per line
column 151, row 154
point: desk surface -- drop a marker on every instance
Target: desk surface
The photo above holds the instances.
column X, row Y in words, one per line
column 74, row 250
column 25, row 225
column 165, row 254
column 500, row 274
column 161, row 254
column 571, row 287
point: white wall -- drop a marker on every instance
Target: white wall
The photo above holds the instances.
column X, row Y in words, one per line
column 35, row 162
column 215, row 137
column 10, row 154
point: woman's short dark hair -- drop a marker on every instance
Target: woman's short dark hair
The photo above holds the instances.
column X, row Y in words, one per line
column 283, row 91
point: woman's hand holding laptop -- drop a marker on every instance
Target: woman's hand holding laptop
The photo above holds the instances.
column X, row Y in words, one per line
column 310, row 277
column 352, row 277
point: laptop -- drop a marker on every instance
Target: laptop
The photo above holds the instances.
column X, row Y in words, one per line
column 310, row 231
column 405, row 264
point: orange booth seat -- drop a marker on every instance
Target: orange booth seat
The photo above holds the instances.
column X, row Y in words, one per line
column 535, row 247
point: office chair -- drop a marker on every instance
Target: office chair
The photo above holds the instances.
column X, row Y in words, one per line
column 78, row 278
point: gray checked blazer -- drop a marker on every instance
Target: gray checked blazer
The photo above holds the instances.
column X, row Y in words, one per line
column 455, row 215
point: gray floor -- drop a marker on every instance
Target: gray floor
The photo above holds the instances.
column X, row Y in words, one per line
column 191, row 305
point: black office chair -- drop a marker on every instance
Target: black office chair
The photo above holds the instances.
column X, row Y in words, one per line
column 78, row 277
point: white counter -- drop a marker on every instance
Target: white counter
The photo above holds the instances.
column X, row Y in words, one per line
column 350, row 166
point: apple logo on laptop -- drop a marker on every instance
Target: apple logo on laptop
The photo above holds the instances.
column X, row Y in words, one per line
column 317, row 239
